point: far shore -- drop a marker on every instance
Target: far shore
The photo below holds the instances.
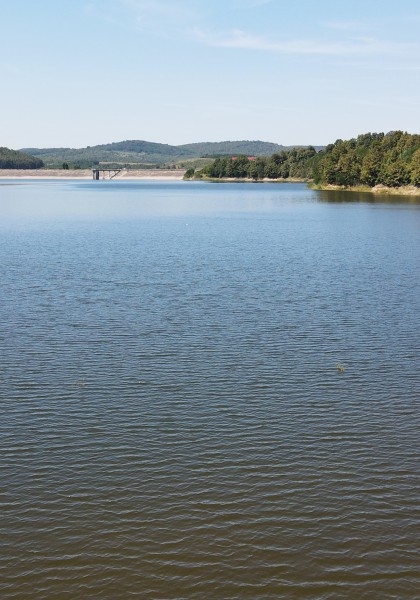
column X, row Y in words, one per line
column 140, row 174
column 178, row 175
column 249, row 180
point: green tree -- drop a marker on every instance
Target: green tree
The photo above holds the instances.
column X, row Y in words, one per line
column 272, row 169
column 348, row 170
column 260, row 167
column 415, row 168
column 253, row 170
column 329, row 171
column 371, row 167
column 395, row 174
column 240, row 167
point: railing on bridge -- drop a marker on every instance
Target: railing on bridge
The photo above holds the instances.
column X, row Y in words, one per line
column 106, row 173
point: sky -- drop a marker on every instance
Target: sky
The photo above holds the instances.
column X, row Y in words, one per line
column 86, row 72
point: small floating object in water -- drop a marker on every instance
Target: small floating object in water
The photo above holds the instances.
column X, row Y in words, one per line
column 341, row 368
column 80, row 383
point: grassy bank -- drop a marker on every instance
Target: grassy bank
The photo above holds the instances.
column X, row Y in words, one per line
column 404, row 190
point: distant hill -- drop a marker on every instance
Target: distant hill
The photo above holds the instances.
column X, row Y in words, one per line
column 141, row 147
column 12, row 159
column 250, row 148
column 141, row 152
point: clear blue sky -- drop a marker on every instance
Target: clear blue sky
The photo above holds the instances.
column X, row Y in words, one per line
column 85, row 72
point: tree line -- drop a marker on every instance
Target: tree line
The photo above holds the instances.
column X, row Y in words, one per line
column 391, row 159
column 280, row 165
column 12, row 159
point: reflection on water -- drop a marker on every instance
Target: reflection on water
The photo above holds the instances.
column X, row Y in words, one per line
column 103, row 200
column 174, row 421
column 366, row 197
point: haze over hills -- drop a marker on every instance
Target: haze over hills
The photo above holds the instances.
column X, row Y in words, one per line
column 141, row 152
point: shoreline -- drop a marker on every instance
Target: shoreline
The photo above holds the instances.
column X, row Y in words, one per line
column 404, row 190
column 85, row 174
column 178, row 175
column 248, row 180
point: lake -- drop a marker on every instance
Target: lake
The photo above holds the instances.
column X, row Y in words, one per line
column 208, row 391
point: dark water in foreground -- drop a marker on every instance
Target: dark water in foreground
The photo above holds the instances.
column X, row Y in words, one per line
column 173, row 423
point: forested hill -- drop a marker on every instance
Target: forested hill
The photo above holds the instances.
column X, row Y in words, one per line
column 11, row 159
column 142, row 152
column 391, row 159
column 249, row 148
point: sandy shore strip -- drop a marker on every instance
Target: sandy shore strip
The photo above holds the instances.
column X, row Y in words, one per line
column 404, row 190
column 155, row 174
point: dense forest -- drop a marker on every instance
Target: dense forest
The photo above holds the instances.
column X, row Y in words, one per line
column 391, row 159
column 11, row 159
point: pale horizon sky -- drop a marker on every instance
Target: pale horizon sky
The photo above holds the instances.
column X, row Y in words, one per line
column 89, row 72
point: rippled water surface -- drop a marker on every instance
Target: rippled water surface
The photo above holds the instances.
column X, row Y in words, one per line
column 208, row 392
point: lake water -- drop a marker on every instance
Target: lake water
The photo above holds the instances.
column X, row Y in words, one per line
column 208, row 391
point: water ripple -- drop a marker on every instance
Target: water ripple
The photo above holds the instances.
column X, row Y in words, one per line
column 174, row 424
